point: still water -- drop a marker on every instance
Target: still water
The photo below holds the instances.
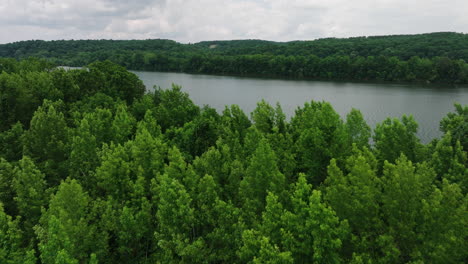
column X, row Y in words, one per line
column 427, row 104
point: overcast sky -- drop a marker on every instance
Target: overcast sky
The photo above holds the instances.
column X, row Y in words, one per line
column 196, row 20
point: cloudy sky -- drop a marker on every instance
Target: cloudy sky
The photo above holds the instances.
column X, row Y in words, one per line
column 195, row 20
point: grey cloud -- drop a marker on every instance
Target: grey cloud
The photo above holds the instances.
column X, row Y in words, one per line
column 83, row 15
column 196, row 20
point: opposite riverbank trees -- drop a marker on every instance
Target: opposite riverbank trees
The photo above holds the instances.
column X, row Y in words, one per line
column 425, row 58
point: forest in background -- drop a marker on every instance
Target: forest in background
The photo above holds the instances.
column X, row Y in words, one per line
column 93, row 169
column 425, row 58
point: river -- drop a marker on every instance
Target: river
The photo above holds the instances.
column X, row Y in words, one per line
column 427, row 103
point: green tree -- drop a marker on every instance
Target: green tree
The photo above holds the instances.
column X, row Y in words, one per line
column 17, row 102
column 312, row 230
column 123, row 125
column 63, row 81
column 394, row 137
column 319, row 135
column 235, row 121
column 179, row 169
column 442, row 229
column 174, row 107
column 100, row 124
column 221, row 163
column 196, row 136
column 456, row 123
column 135, row 229
column 218, row 222
column 450, row 162
column 29, row 185
column 176, row 222
column 355, row 196
column 11, row 144
column 405, row 187
column 149, row 123
column 357, row 129
column 65, row 232
column 259, row 249
column 11, row 249
column 261, row 176
column 7, row 193
column 46, row 140
column 118, row 81
column 83, row 157
column 286, row 158
column 114, row 175
column 148, row 154
column 263, row 117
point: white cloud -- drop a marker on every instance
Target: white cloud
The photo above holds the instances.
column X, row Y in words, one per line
column 196, row 20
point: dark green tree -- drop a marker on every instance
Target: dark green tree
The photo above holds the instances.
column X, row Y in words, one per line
column 65, row 233
column 393, row 137
column 261, row 176
column 357, row 129
column 29, row 186
column 7, row 193
column 11, row 249
column 450, row 162
column 312, row 230
column 405, row 187
column 46, row 140
column 457, row 124
column 11, row 144
column 176, row 223
column 319, row 135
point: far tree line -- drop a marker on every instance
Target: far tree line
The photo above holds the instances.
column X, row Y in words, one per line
column 424, row 58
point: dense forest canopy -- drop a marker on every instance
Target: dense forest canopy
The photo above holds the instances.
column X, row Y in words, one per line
column 95, row 170
column 433, row 57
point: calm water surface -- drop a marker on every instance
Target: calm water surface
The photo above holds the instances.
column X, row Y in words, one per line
column 428, row 104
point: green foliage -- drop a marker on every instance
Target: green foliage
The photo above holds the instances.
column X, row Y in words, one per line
column 29, row 186
column 221, row 164
column 176, row 218
column 425, row 58
column 355, row 196
column 155, row 179
column 312, row 230
column 308, row 232
column 444, row 218
column 11, row 144
column 258, row 249
column 196, row 136
column 65, row 233
column 11, row 251
column 114, row 176
column 266, row 118
column 319, row 135
column 123, row 125
column 457, row 124
column 450, row 162
column 236, row 120
column 261, row 176
column 393, row 137
column 135, row 230
column 357, row 129
column 405, row 187
column 118, row 81
column 7, row 193
column 45, row 142
column 174, row 107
